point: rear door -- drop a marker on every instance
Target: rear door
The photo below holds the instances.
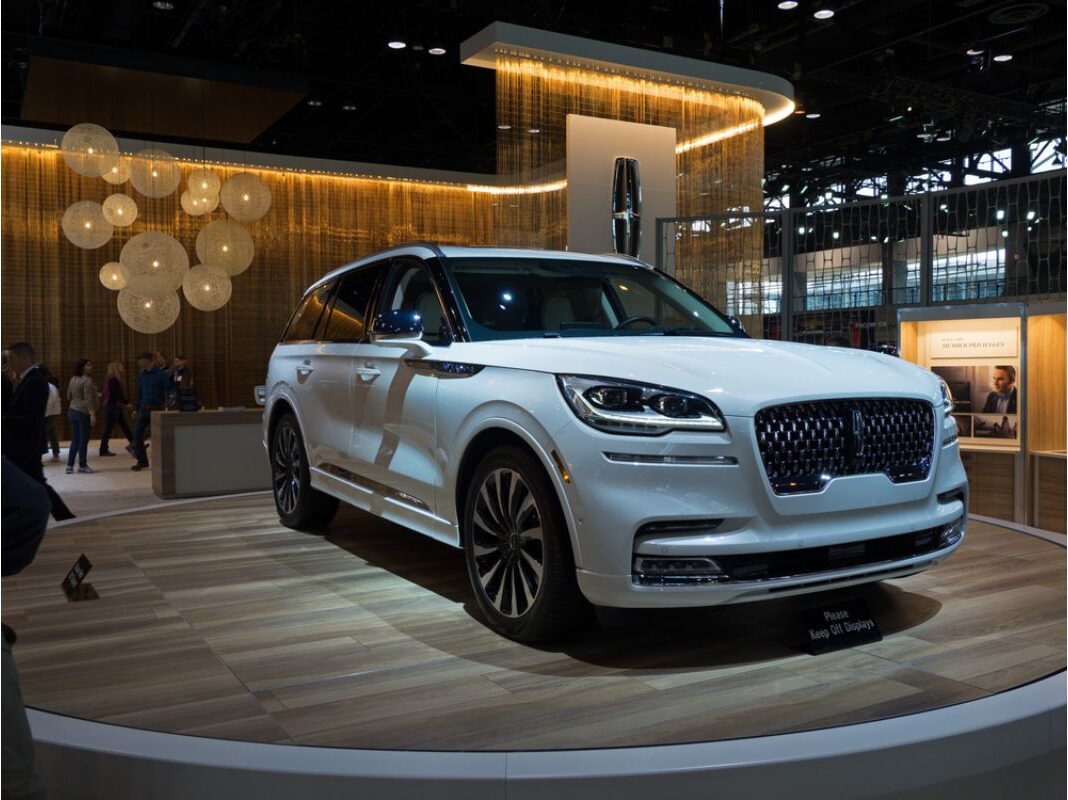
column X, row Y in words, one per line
column 297, row 363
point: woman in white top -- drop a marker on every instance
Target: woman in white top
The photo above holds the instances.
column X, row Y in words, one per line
column 82, row 414
column 52, row 411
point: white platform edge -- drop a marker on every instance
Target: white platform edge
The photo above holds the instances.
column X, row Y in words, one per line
column 1014, row 738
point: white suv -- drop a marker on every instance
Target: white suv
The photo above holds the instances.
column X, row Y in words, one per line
column 590, row 431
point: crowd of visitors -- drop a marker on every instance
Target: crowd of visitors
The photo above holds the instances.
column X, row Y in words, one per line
column 32, row 406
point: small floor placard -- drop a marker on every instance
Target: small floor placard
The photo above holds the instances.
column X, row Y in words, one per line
column 839, row 625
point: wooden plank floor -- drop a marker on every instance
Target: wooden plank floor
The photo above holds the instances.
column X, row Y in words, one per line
column 216, row 621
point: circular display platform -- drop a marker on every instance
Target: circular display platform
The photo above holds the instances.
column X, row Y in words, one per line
column 216, row 621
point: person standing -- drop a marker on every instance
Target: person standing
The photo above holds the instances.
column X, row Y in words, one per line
column 181, row 377
column 152, row 387
column 53, row 410
column 84, row 402
column 24, row 421
column 116, row 406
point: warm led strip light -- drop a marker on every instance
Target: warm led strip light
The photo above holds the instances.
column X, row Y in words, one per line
column 539, row 188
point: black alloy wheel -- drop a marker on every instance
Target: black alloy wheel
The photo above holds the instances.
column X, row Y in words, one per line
column 299, row 505
column 518, row 552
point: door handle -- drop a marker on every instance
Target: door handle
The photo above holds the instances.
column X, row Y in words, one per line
column 368, row 374
column 303, row 373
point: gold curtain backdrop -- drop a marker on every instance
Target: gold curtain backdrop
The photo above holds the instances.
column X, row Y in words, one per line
column 719, row 155
column 53, row 298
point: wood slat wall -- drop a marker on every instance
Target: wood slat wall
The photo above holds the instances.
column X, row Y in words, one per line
column 1046, row 412
column 52, row 296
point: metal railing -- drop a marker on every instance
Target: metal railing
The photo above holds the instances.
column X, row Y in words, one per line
column 839, row 273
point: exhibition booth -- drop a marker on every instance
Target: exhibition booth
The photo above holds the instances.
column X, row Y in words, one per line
column 225, row 655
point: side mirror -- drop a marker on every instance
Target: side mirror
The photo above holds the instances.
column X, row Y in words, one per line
column 737, row 325
column 396, row 325
column 400, row 329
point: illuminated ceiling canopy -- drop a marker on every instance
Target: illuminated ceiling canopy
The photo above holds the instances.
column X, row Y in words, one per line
column 775, row 94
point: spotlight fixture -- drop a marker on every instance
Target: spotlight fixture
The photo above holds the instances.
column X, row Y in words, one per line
column 397, row 44
column 163, row 5
column 314, row 102
column 1003, row 57
column 436, row 51
column 813, row 115
column 788, row 5
column 799, row 111
column 974, row 51
column 824, row 13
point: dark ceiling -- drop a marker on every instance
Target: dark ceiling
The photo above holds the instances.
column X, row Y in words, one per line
column 860, row 71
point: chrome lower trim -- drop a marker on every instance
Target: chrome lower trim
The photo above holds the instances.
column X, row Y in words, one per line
column 642, row 458
column 374, row 486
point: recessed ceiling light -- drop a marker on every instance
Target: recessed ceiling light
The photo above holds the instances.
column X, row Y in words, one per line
column 436, row 51
column 788, row 5
column 1003, row 57
column 504, row 127
column 813, row 115
column 824, row 13
column 974, row 51
column 534, row 130
column 397, row 44
column 314, row 102
column 348, row 107
column 417, row 48
column 163, row 5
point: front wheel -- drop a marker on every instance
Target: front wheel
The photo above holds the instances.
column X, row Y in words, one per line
column 518, row 553
column 299, row 505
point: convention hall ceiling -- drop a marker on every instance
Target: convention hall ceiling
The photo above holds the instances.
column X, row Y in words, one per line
column 886, row 86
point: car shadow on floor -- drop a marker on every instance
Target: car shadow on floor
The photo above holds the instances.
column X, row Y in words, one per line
column 622, row 640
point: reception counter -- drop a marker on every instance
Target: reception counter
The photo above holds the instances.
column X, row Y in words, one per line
column 202, row 453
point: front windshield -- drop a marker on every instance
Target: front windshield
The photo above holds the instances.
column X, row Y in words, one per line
column 516, row 298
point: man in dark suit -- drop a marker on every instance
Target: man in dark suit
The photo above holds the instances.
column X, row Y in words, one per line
column 24, row 422
column 1003, row 399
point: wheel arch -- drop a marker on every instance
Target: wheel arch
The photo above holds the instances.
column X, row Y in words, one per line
column 502, row 433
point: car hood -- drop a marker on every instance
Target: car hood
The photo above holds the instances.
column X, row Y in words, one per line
column 739, row 375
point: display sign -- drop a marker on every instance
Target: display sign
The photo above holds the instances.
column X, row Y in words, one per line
column 837, row 626
column 73, row 585
column 973, row 338
column 986, row 400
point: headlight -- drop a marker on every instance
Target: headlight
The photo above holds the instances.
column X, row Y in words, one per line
column 637, row 408
column 947, row 397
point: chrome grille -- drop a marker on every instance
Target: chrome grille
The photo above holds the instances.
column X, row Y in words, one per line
column 805, row 445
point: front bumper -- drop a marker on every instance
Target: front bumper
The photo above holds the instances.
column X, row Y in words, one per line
column 726, row 495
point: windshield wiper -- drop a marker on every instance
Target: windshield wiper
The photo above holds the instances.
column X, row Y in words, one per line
column 692, row 332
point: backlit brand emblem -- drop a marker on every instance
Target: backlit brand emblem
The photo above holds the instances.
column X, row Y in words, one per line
column 626, row 207
column 858, row 432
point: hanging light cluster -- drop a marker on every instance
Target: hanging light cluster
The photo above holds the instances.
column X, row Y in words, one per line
column 153, row 265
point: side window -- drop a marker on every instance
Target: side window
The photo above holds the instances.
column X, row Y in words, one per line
column 348, row 315
column 410, row 288
column 306, row 318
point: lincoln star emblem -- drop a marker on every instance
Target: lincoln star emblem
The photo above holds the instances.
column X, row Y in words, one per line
column 626, row 207
column 858, row 432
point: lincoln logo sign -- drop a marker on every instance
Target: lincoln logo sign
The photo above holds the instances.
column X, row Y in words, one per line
column 626, row 207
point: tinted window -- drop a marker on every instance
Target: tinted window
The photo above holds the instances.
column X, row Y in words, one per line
column 349, row 313
column 505, row 298
column 411, row 289
column 302, row 326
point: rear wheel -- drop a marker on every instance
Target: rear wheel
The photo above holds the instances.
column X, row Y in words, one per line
column 518, row 552
column 299, row 505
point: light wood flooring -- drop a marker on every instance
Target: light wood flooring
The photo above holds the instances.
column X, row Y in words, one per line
column 214, row 620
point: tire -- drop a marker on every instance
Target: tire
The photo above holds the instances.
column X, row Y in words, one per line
column 518, row 552
column 299, row 505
